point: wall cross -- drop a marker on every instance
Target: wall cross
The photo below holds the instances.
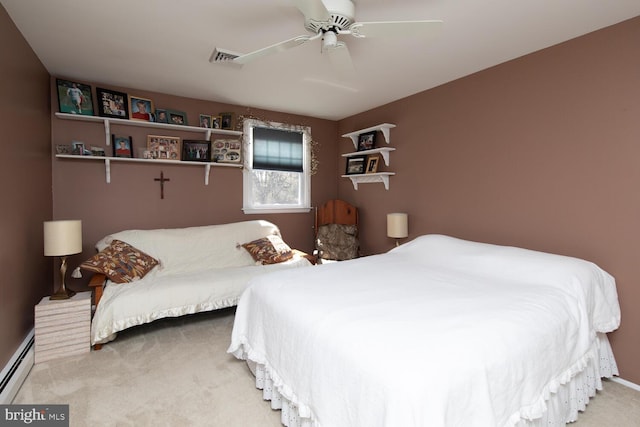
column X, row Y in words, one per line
column 162, row 180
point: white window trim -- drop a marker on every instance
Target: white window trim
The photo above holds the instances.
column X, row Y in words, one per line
column 247, row 186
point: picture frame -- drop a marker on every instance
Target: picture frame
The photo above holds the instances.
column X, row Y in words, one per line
column 227, row 121
column 97, row 151
column 164, row 147
column 226, row 151
column 122, row 146
column 112, row 103
column 216, row 122
column 372, row 163
column 205, row 121
column 74, row 97
column 196, row 150
column 64, row 149
column 78, row 148
column 177, row 118
column 140, row 109
column 367, row 141
column 161, row 116
column 356, row 165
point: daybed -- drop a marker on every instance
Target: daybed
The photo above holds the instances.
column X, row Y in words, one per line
column 437, row 332
column 173, row 272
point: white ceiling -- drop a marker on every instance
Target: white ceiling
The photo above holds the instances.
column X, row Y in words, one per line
column 164, row 46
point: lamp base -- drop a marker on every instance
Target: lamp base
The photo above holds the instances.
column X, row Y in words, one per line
column 62, row 294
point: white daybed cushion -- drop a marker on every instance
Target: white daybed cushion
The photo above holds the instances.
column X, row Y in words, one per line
column 437, row 332
column 193, row 248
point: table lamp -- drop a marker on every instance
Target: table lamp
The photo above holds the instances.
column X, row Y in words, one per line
column 397, row 226
column 62, row 238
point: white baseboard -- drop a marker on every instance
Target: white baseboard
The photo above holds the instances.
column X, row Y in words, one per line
column 17, row 369
column 625, row 383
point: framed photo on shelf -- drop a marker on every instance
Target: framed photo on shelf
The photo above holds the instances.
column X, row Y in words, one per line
column 78, row 148
column 122, row 146
column 227, row 121
column 74, row 98
column 63, row 149
column 161, row 116
column 205, row 121
column 372, row 163
column 196, row 150
column 227, row 151
column 112, row 103
column 356, row 165
column 140, row 109
column 97, row 151
column 164, row 147
column 216, row 122
column 177, row 117
column 367, row 141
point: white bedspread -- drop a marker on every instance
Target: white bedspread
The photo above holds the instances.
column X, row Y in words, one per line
column 160, row 295
column 437, row 332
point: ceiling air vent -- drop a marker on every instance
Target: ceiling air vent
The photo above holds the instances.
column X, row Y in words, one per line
column 221, row 55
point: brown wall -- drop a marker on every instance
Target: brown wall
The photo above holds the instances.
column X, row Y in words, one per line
column 132, row 199
column 540, row 152
column 25, row 173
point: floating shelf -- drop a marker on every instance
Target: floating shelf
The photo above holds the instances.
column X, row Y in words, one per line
column 382, row 150
column 107, row 121
column 369, row 178
column 107, row 163
column 384, row 128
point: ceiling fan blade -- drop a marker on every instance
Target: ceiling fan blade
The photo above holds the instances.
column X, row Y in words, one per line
column 340, row 60
column 313, row 9
column 395, row 28
column 274, row 48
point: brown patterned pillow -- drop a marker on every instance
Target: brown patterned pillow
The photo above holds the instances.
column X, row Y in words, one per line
column 120, row 262
column 269, row 250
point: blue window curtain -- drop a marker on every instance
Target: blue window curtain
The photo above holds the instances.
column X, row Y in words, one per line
column 277, row 150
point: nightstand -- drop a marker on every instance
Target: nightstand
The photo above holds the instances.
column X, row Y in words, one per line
column 62, row 327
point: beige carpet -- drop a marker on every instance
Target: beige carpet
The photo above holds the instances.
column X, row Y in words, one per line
column 176, row 372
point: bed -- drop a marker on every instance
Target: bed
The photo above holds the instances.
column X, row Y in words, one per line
column 437, row 332
column 180, row 271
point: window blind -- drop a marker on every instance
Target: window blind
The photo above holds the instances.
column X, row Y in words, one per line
column 275, row 149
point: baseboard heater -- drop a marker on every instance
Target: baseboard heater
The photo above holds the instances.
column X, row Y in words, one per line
column 15, row 372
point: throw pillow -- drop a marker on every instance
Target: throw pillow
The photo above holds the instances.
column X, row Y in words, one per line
column 269, row 250
column 120, row 262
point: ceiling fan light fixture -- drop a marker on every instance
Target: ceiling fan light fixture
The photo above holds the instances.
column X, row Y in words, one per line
column 329, row 40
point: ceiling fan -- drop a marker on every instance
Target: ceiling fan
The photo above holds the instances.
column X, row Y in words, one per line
column 327, row 20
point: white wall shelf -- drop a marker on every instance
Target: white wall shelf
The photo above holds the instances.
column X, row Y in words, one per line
column 382, row 150
column 366, row 178
column 107, row 163
column 107, row 122
column 384, row 128
column 382, row 177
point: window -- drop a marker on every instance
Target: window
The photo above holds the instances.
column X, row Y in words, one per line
column 276, row 176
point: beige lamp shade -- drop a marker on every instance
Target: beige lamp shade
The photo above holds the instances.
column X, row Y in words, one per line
column 397, row 225
column 62, row 237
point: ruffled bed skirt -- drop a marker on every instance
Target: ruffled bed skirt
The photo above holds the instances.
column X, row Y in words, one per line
column 559, row 406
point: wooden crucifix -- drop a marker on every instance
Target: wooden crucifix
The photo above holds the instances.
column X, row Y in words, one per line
column 162, row 180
